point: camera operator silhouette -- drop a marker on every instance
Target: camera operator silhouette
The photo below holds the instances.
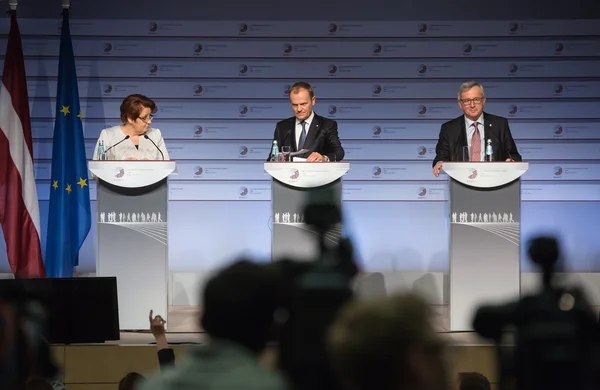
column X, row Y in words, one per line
column 556, row 331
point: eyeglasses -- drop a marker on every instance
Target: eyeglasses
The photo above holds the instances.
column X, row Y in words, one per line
column 146, row 119
column 469, row 101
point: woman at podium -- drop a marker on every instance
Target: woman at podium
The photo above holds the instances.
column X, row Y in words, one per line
column 134, row 139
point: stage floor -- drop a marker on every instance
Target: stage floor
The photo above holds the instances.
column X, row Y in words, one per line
column 183, row 328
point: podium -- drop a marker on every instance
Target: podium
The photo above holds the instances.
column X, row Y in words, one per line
column 131, row 210
column 294, row 184
column 485, row 234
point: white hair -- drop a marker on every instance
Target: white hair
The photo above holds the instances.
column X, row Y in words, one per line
column 468, row 85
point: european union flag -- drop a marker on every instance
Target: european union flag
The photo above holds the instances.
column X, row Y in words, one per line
column 70, row 217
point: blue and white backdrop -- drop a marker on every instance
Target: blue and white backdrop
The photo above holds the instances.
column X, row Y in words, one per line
column 221, row 86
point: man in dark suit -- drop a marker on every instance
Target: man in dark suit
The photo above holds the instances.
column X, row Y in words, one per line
column 473, row 129
column 307, row 130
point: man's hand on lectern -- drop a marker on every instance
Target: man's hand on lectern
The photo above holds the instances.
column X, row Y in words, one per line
column 436, row 169
column 315, row 157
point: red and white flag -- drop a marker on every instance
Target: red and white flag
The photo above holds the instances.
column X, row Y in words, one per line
column 19, row 208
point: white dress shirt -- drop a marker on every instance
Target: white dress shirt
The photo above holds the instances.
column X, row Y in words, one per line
column 307, row 121
column 471, row 130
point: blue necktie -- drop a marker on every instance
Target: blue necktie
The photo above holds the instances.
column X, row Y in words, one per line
column 302, row 135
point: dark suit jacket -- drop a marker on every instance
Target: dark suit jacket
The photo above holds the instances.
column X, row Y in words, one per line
column 322, row 137
column 453, row 136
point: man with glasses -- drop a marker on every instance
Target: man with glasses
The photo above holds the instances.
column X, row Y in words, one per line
column 134, row 139
column 473, row 129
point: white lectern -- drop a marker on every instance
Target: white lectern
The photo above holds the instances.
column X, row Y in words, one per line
column 131, row 211
column 294, row 185
column 485, row 216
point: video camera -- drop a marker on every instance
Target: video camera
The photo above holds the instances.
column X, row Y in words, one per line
column 312, row 293
column 555, row 332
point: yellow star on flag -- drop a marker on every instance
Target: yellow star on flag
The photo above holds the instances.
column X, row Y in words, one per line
column 82, row 182
column 55, row 184
column 65, row 110
column 80, row 116
column 68, row 189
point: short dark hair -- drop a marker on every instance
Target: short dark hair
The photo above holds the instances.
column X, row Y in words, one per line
column 238, row 305
column 473, row 381
column 371, row 341
column 133, row 105
column 131, row 381
column 302, row 85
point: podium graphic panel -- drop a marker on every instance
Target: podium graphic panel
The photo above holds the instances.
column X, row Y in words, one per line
column 484, row 248
column 132, row 245
column 292, row 237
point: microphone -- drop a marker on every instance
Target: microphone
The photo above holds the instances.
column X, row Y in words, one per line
column 285, row 138
column 149, row 139
column 126, row 138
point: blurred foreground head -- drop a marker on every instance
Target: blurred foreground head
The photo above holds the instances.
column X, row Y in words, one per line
column 387, row 344
column 238, row 305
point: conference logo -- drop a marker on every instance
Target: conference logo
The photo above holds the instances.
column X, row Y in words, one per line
column 243, row 150
column 558, row 171
column 332, row 69
column 513, row 27
column 287, row 48
column 120, row 172
column 376, row 130
column 107, row 47
column 422, row 110
column 198, row 48
column 376, row 171
column 107, row 88
column 198, row 171
column 513, row 109
column 243, row 110
column 377, row 48
column 332, row 28
column 243, row 191
column 153, row 68
column 423, row 27
column 198, row 130
column 558, row 130
column 422, row 69
column 153, row 27
column 198, row 89
column 473, row 174
column 421, row 151
column 513, row 68
column 332, row 110
column 286, row 89
column 421, row 192
column 243, row 28
column 295, row 174
column 558, row 88
column 559, row 47
column 467, row 48
column 243, row 68
column 376, row 89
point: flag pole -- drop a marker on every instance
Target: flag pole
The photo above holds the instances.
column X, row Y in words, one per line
column 13, row 4
column 66, row 4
